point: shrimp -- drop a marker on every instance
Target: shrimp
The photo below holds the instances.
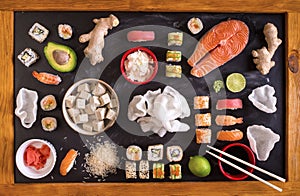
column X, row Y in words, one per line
column 47, row 78
column 227, row 120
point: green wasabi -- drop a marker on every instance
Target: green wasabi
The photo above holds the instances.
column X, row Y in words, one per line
column 218, row 85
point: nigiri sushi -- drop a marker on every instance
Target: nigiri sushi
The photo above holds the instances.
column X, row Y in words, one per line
column 231, row 104
column 68, row 162
column 230, row 135
column 140, row 36
column 227, row 120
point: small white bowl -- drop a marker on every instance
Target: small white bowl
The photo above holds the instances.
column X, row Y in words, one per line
column 77, row 127
column 30, row 171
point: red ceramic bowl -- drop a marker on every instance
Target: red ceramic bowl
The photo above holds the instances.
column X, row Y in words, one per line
column 241, row 151
column 132, row 50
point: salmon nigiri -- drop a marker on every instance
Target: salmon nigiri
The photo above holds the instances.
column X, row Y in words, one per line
column 230, row 135
column 68, row 162
column 219, row 45
column 227, row 120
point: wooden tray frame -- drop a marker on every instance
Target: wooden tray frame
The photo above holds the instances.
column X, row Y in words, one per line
column 291, row 8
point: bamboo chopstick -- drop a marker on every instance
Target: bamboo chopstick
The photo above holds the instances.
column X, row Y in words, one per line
column 245, row 171
column 248, row 164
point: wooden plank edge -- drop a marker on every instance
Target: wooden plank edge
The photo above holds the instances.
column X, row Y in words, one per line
column 6, row 104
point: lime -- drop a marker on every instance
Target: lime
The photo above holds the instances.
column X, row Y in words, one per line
column 236, row 82
column 199, row 166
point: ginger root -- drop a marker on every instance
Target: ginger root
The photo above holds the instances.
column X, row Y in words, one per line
column 96, row 38
column 263, row 56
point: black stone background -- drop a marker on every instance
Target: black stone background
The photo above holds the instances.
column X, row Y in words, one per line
column 65, row 138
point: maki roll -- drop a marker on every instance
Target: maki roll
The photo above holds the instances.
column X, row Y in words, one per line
column 65, row 31
column 38, row 32
column 173, row 56
column 158, row 171
column 134, row 153
column 173, row 71
column 203, row 120
column 28, row 57
column 203, row 136
column 175, row 38
column 175, row 172
column 48, row 103
column 174, row 153
column 49, row 124
column 195, row 25
column 155, row 152
column 144, row 169
column 201, row 102
column 130, row 168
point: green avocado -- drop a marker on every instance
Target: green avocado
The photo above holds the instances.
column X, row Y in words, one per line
column 62, row 58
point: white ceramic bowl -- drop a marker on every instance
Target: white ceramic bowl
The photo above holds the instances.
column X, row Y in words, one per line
column 71, row 91
column 30, row 171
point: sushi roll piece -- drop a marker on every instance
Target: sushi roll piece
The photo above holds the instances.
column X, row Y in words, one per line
column 130, row 170
column 68, row 162
column 173, row 71
column 49, row 124
column 203, row 120
column 134, row 153
column 175, row 171
column 48, row 103
column 174, row 153
column 201, row 102
column 155, row 152
column 195, row 25
column 158, row 171
column 65, row 31
column 28, row 57
column 173, row 56
column 175, row 38
column 203, row 136
column 144, row 169
column 38, row 32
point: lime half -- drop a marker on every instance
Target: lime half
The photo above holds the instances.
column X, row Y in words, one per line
column 235, row 82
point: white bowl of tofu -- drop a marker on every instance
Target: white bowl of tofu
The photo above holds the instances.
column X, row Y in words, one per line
column 90, row 106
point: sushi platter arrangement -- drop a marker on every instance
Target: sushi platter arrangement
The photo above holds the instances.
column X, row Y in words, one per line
column 143, row 97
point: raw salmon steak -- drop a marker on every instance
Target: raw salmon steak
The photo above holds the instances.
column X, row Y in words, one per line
column 219, row 45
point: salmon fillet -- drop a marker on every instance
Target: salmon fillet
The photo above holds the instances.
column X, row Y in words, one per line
column 232, row 135
column 219, row 45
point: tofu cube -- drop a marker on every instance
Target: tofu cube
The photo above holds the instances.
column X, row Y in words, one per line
column 73, row 112
column 113, row 103
column 111, row 114
column 90, row 108
column 87, row 127
column 80, row 103
column 98, row 126
column 82, row 118
column 70, row 100
column 99, row 90
column 84, row 95
column 95, row 101
column 84, row 87
column 104, row 99
column 100, row 113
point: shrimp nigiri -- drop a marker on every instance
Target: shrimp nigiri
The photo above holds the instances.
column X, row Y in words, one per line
column 227, row 120
column 47, row 78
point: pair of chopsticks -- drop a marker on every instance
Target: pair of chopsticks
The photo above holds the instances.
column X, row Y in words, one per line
column 245, row 171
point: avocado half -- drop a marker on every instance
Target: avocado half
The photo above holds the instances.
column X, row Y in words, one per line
column 62, row 58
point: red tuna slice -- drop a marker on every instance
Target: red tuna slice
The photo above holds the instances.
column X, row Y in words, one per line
column 219, row 45
column 140, row 36
column 231, row 104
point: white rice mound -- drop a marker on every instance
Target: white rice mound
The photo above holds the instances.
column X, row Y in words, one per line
column 102, row 159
